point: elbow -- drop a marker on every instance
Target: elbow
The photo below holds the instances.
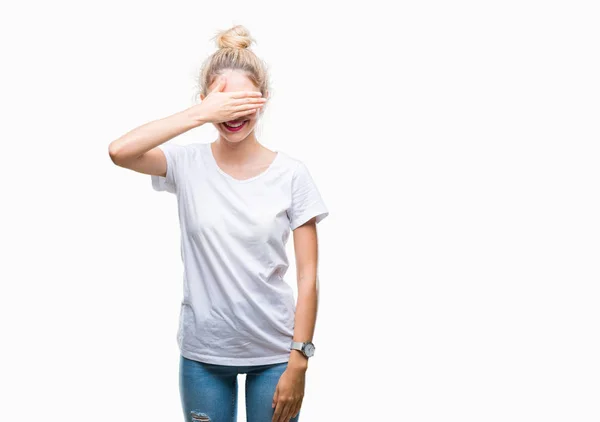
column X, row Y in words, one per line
column 308, row 284
column 113, row 152
column 115, row 155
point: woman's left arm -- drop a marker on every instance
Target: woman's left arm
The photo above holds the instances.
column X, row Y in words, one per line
column 290, row 388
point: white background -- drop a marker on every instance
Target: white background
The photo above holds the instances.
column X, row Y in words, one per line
column 455, row 144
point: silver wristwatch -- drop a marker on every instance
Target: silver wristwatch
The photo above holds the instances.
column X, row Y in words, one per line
column 307, row 348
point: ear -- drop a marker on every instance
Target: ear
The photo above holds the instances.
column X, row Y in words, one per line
column 266, row 95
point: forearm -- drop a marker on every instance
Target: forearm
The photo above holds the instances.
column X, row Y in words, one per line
column 143, row 138
column 306, row 316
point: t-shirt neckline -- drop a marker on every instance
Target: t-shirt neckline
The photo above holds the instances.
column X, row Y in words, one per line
column 230, row 177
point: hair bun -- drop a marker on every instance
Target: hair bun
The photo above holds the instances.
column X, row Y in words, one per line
column 235, row 37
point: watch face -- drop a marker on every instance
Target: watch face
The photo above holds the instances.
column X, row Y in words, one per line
column 309, row 349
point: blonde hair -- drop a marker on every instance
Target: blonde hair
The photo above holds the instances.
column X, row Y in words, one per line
column 234, row 53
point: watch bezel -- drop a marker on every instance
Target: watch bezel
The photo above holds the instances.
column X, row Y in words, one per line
column 308, row 349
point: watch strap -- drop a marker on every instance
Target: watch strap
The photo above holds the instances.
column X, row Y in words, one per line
column 297, row 345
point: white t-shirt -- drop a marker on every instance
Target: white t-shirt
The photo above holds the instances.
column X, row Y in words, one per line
column 236, row 308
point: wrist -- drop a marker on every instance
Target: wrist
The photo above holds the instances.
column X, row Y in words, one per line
column 298, row 361
column 192, row 117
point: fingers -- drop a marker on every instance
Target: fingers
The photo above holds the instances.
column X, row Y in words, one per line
column 220, row 84
column 245, row 107
column 277, row 413
column 296, row 410
column 250, row 104
column 287, row 412
column 246, row 113
column 286, row 409
column 276, row 405
column 244, row 94
column 282, row 411
column 275, row 397
column 248, row 100
column 243, row 113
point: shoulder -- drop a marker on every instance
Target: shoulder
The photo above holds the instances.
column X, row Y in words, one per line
column 298, row 171
column 181, row 151
column 288, row 163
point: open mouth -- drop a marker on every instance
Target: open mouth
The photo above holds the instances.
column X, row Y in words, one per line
column 235, row 126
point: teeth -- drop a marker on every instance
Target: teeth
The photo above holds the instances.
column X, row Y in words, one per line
column 235, row 124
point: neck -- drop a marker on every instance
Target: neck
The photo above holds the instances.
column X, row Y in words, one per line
column 237, row 152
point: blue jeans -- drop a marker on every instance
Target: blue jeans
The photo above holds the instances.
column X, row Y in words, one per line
column 209, row 392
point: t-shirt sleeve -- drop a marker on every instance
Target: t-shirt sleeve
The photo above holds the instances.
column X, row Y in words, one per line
column 306, row 199
column 174, row 155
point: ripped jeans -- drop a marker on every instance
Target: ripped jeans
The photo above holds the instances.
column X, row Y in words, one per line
column 209, row 393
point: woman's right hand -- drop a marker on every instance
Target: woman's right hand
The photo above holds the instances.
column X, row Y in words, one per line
column 219, row 106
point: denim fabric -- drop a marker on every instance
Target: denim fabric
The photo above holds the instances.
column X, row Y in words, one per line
column 209, row 392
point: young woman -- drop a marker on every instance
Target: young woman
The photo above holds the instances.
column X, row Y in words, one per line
column 237, row 203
